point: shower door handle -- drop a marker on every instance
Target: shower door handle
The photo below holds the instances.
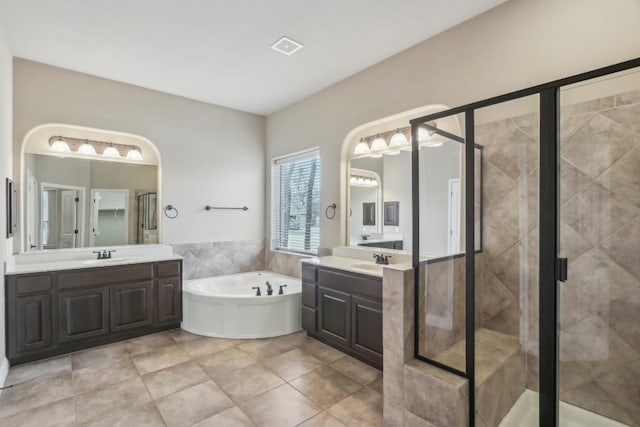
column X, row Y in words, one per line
column 561, row 269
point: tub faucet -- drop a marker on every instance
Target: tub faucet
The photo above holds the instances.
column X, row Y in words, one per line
column 280, row 292
column 269, row 288
column 257, row 288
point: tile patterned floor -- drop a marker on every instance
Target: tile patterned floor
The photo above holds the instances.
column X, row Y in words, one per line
column 179, row 379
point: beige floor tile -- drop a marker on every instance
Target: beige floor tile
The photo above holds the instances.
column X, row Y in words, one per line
column 233, row 417
column 107, row 355
column 377, row 385
column 193, row 404
column 60, row 413
column 265, row 348
column 323, row 419
column 292, row 364
column 161, row 358
column 145, row 415
column 358, row 371
column 363, row 408
column 35, row 393
column 224, row 362
column 297, row 338
column 320, row 350
column 175, row 378
column 180, row 335
column 280, row 407
column 149, row 343
column 40, row 370
column 111, row 400
column 205, row 346
column 325, row 386
column 248, row 382
column 97, row 376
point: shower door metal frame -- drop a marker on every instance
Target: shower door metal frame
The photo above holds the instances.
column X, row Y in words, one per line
column 550, row 268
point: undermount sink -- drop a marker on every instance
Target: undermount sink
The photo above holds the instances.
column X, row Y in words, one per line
column 367, row 266
column 102, row 261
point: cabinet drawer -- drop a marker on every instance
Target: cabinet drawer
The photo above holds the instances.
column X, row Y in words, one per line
column 29, row 284
column 169, row 269
column 105, row 275
column 309, row 298
column 351, row 283
column 309, row 273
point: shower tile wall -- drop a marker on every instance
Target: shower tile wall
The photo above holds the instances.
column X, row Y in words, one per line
column 220, row 258
column 600, row 234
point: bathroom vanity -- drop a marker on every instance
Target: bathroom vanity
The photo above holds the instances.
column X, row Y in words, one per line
column 58, row 310
column 343, row 308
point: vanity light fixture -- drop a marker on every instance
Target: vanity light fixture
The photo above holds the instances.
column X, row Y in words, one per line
column 398, row 140
column 425, row 132
column 87, row 149
column 361, row 148
column 59, row 146
column 378, row 144
column 363, row 181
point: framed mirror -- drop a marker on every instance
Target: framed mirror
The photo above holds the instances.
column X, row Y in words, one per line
column 88, row 192
column 392, row 213
column 369, row 213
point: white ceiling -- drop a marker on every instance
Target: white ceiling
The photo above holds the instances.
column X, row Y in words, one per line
column 218, row 51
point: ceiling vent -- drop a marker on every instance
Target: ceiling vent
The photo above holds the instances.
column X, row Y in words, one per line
column 286, row 46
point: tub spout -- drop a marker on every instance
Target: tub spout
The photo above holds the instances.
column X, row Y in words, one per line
column 269, row 288
column 257, row 288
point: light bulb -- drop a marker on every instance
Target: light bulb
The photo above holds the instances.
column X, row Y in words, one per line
column 398, row 140
column 111, row 151
column 378, row 144
column 361, row 148
column 60, row 146
column 134, row 154
column 87, row 149
column 353, row 180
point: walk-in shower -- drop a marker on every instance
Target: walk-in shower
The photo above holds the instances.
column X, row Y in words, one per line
column 541, row 313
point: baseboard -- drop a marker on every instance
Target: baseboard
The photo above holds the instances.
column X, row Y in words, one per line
column 4, row 371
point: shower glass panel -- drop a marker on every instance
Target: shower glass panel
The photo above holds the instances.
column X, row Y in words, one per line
column 599, row 304
column 441, row 241
column 506, row 269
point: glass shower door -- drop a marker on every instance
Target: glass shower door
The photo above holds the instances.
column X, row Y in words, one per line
column 599, row 234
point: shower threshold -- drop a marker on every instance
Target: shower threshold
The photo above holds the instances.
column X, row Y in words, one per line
column 524, row 413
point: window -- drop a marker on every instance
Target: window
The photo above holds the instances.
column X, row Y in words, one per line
column 296, row 203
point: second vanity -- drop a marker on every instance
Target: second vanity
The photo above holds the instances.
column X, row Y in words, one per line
column 57, row 306
column 342, row 301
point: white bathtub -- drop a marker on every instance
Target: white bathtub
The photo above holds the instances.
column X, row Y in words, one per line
column 227, row 307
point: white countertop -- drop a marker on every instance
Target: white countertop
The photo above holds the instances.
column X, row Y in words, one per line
column 91, row 263
column 80, row 258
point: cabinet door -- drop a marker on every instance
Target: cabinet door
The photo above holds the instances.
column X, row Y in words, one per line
column 131, row 306
column 83, row 313
column 169, row 300
column 366, row 329
column 32, row 323
column 334, row 315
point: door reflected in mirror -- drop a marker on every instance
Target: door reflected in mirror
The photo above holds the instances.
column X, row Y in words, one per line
column 76, row 202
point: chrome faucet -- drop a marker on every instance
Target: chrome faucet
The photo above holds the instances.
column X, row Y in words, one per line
column 382, row 259
column 105, row 254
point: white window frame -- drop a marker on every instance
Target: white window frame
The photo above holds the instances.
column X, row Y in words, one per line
column 275, row 199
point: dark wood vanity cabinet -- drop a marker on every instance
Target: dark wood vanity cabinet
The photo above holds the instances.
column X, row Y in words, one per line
column 344, row 310
column 63, row 311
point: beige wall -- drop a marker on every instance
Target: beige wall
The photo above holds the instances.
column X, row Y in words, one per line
column 516, row 45
column 209, row 154
column 6, row 91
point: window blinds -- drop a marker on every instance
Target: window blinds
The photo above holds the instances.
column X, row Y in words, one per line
column 296, row 204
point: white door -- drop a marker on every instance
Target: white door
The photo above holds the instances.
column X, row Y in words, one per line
column 68, row 218
column 454, row 216
column 32, row 212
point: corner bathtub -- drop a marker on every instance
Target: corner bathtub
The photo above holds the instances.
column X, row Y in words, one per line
column 226, row 306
